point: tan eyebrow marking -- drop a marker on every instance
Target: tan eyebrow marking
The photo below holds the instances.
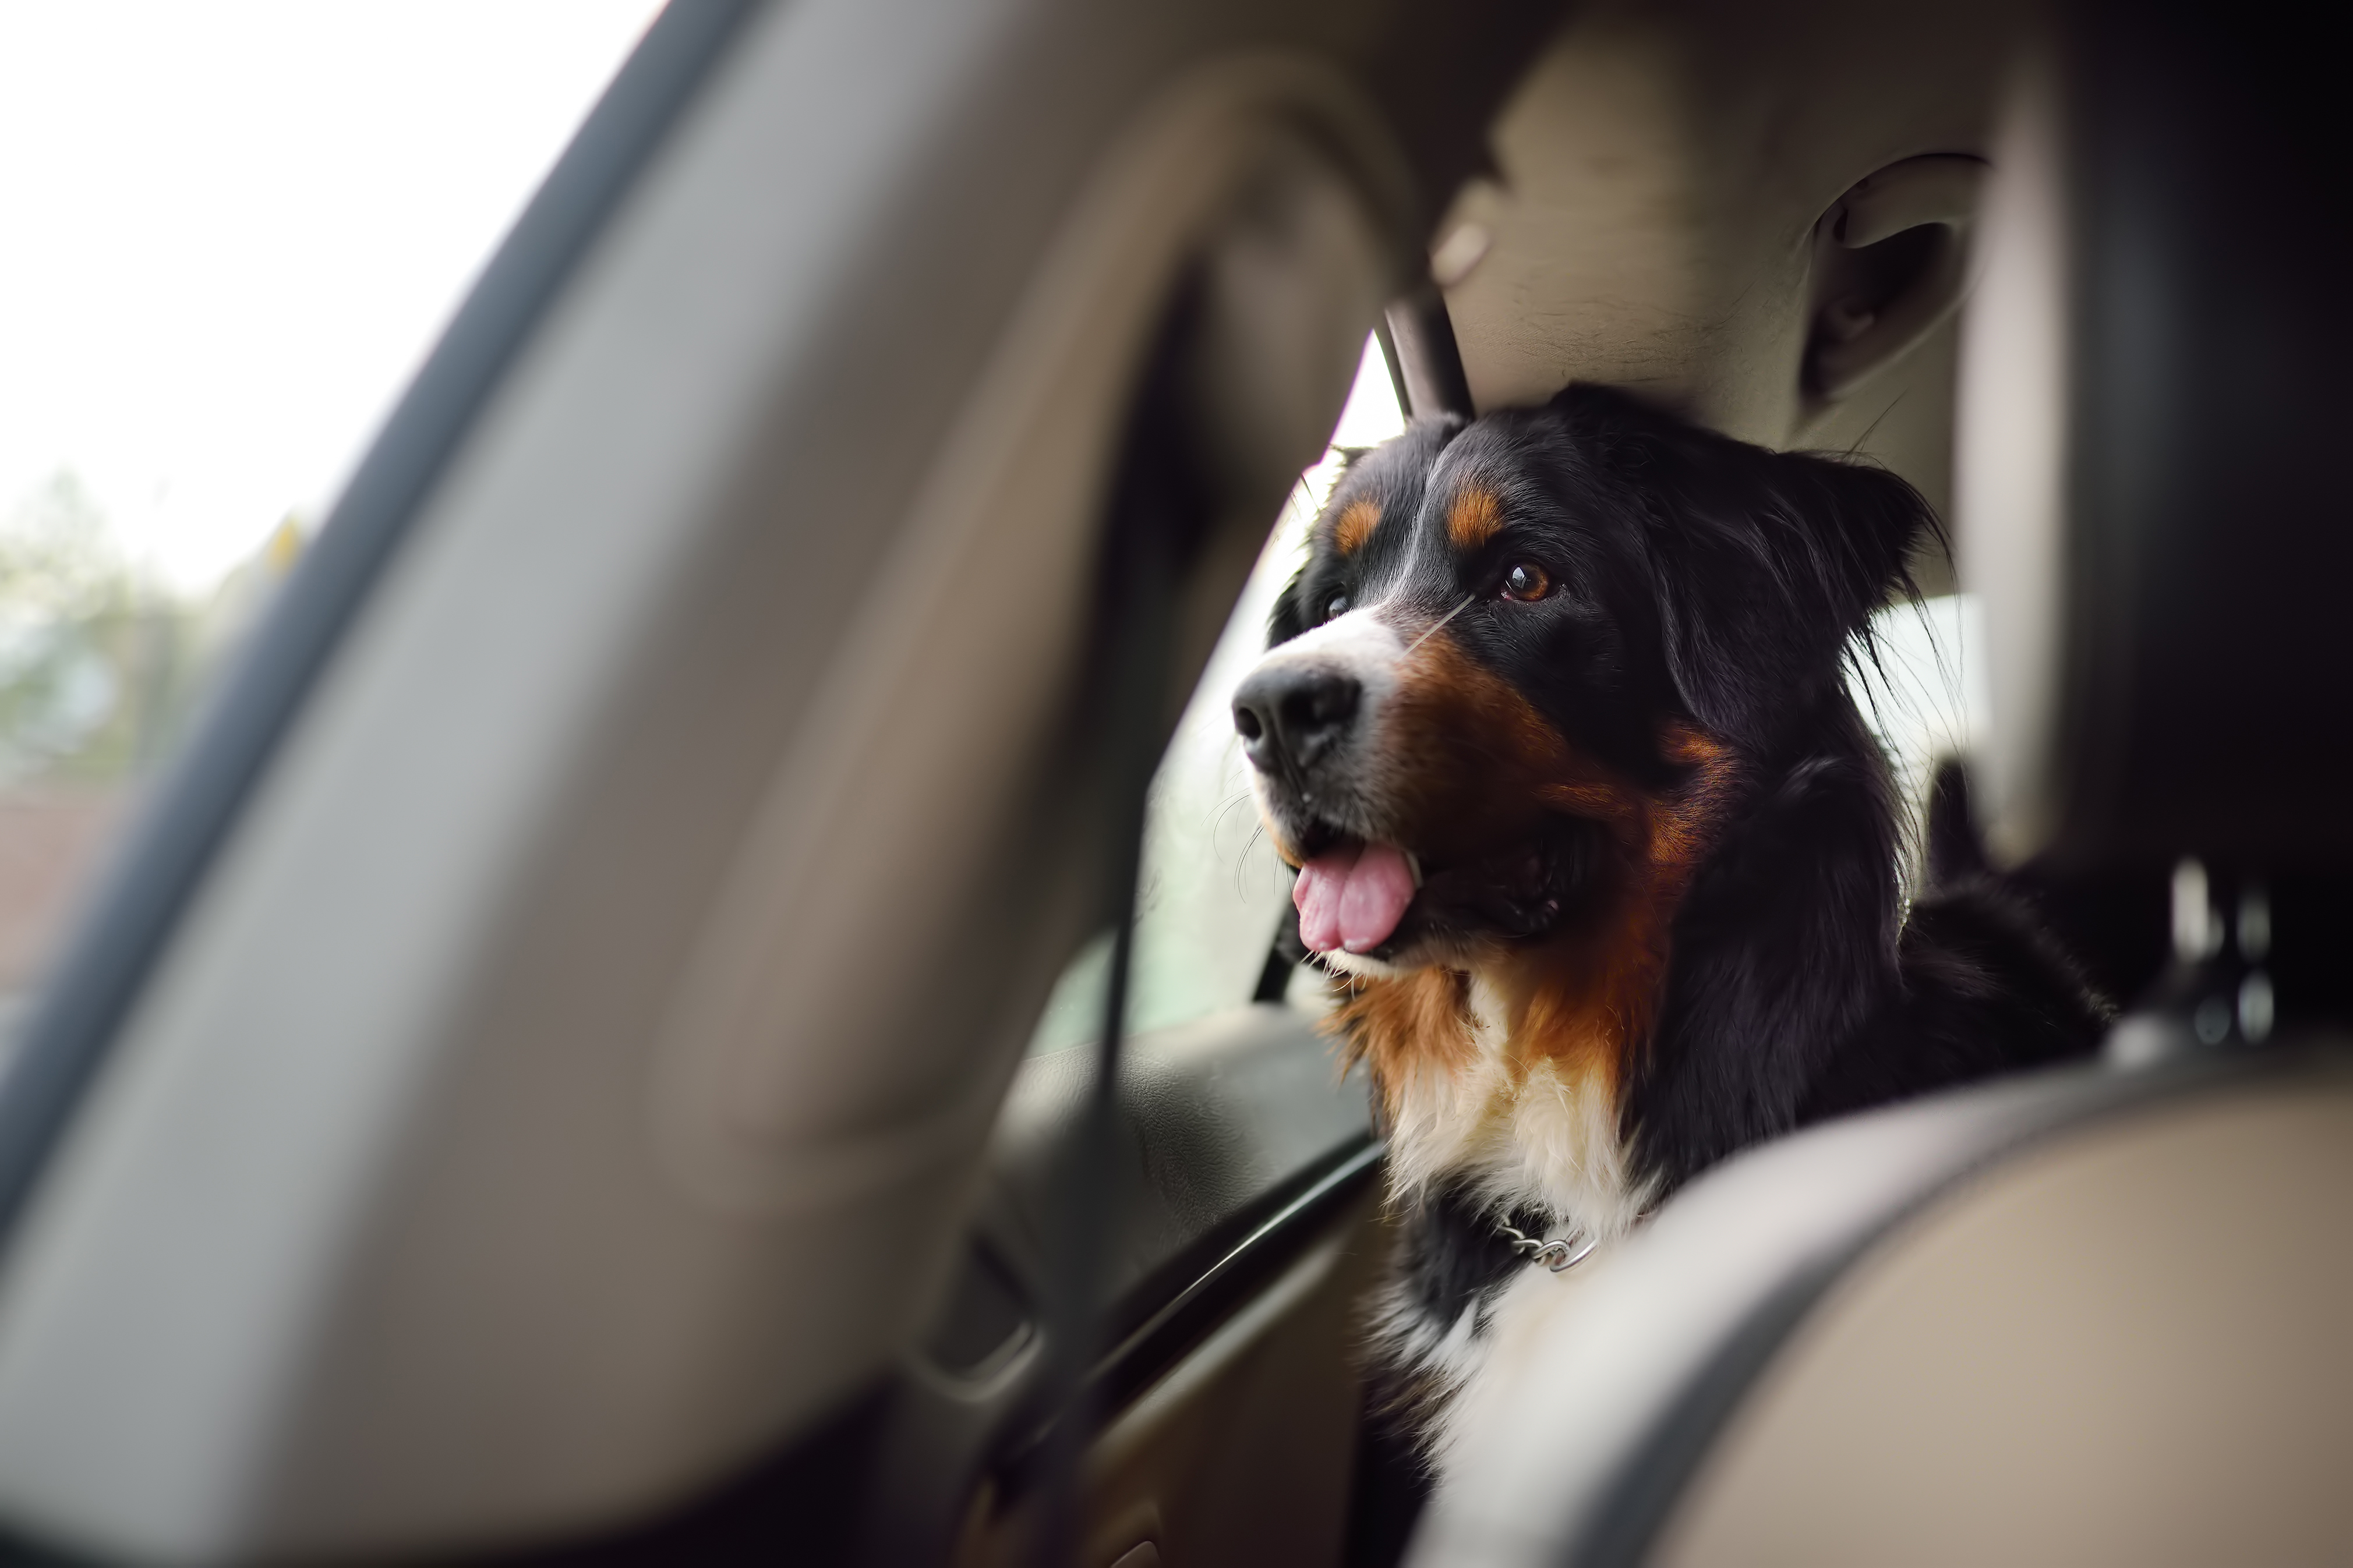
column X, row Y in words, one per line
column 1356, row 524
column 1475, row 518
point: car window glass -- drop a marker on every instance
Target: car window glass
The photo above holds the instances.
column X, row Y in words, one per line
column 234, row 232
column 1212, row 889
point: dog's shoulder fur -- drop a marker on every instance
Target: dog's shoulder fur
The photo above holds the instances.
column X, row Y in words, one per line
column 1721, row 949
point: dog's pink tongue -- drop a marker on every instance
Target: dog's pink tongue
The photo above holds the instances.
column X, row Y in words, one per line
column 1352, row 898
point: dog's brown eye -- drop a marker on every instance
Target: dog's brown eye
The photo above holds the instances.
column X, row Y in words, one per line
column 1336, row 608
column 1526, row 583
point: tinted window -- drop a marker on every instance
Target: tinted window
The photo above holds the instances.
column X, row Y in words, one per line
column 1212, row 888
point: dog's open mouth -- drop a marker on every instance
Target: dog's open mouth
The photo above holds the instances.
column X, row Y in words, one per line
column 1354, row 895
column 1376, row 899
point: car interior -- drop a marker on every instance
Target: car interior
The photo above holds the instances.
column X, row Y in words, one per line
column 704, row 993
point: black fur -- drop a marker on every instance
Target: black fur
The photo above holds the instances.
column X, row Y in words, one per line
column 1451, row 1258
column 1455, row 1253
column 1702, row 579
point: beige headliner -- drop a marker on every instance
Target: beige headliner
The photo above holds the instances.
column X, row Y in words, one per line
column 1660, row 174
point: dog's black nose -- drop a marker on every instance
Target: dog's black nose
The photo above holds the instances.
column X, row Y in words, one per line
column 1294, row 712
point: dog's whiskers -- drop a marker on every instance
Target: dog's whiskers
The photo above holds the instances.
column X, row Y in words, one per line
column 1468, row 600
column 1242, row 859
column 1225, row 808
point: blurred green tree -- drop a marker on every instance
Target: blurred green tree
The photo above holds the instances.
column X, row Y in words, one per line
column 97, row 658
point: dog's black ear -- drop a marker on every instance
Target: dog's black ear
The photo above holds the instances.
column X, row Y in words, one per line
column 1289, row 617
column 1865, row 523
column 1765, row 562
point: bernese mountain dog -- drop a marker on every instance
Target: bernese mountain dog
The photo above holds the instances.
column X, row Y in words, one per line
column 1608, row 868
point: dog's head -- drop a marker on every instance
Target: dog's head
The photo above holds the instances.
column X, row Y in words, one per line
column 1515, row 640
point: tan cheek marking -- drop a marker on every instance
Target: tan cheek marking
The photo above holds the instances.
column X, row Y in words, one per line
column 1393, row 1026
column 1475, row 518
column 1355, row 525
column 1686, row 823
column 1589, row 997
column 1450, row 708
column 1594, row 1001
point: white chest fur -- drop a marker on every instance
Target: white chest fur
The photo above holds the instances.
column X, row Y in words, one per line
column 1526, row 1135
column 1518, row 1133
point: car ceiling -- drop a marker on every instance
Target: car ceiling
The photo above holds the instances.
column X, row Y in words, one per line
column 1658, row 177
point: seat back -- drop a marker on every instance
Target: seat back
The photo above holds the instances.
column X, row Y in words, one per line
column 2124, row 1344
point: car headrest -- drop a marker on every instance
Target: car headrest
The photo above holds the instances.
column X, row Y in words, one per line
column 2151, row 501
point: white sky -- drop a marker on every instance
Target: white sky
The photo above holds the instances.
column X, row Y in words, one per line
column 230, row 232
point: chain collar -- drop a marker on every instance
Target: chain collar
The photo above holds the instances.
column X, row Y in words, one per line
column 1557, row 1256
